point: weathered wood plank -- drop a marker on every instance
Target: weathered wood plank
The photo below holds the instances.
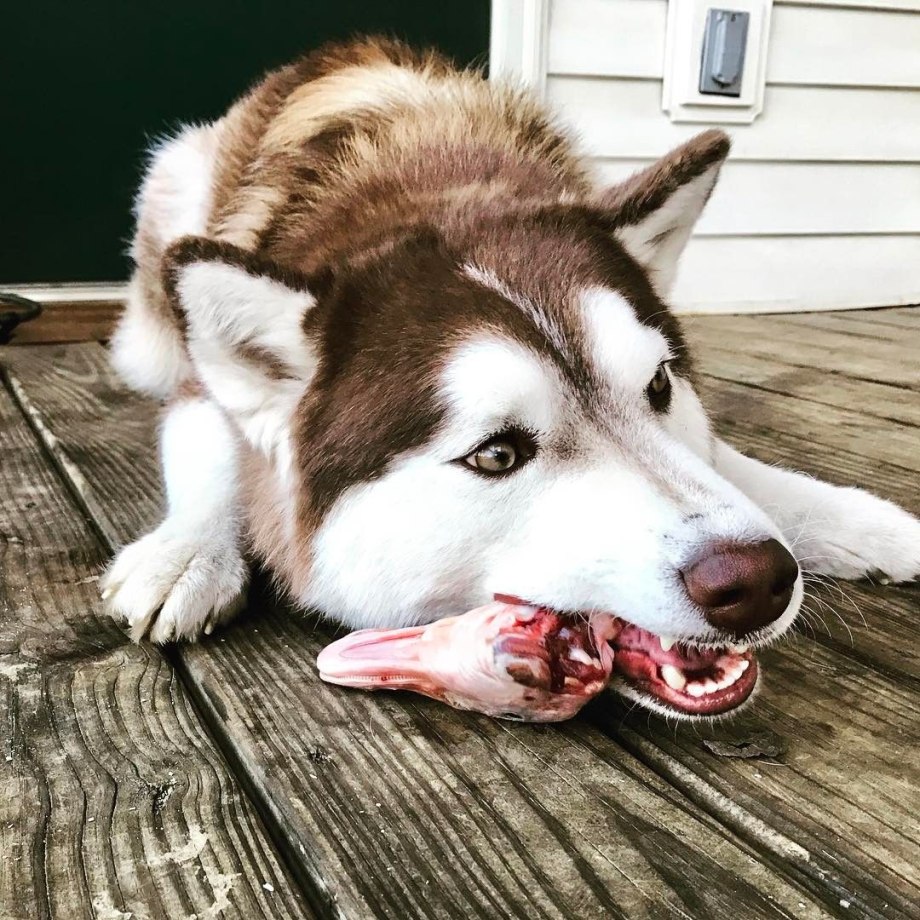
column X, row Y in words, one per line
column 820, row 429
column 842, row 355
column 906, row 317
column 80, row 321
column 842, row 783
column 547, row 821
column 873, row 324
column 840, row 338
column 397, row 806
column 882, row 400
column 113, row 801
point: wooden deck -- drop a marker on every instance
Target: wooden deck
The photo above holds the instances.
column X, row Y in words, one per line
column 225, row 780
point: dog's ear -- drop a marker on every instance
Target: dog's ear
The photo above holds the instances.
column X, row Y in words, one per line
column 655, row 210
column 244, row 325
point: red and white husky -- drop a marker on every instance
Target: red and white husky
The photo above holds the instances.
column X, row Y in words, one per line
column 413, row 357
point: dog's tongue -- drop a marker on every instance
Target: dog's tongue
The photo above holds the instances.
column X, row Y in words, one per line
column 504, row 659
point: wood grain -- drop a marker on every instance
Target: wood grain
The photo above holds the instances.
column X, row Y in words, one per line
column 83, row 321
column 873, row 324
column 836, row 354
column 394, row 806
column 821, row 429
column 114, row 801
column 866, row 397
column 843, row 787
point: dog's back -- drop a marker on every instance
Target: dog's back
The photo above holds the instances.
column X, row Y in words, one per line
column 327, row 160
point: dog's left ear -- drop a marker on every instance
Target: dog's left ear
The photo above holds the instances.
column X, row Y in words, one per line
column 244, row 329
column 655, row 210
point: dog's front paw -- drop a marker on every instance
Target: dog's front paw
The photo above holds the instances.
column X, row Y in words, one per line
column 861, row 535
column 176, row 582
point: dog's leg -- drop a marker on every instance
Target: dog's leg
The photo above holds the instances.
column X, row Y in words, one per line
column 832, row 530
column 188, row 575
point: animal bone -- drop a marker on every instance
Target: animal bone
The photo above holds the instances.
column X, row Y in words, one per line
column 513, row 661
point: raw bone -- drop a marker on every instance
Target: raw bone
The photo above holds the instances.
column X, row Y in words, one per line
column 513, row 661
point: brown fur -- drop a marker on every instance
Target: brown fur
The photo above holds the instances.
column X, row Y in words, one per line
column 649, row 189
column 370, row 175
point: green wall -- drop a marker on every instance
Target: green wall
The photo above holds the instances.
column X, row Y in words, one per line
column 87, row 84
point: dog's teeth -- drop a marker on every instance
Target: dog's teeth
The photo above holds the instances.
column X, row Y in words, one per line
column 740, row 649
column 580, row 655
column 667, row 642
column 673, row 677
column 744, row 666
column 695, row 689
column 730, row 676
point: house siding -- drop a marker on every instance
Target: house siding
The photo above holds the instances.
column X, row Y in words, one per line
column 819, row 205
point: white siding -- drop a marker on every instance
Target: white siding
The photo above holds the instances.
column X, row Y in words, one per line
column 819, row 205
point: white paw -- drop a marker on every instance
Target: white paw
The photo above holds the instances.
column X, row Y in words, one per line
column 860, row 535
column 177, row 582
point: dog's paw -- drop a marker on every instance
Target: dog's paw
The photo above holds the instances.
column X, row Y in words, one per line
column 176, row 583
column 859, row 535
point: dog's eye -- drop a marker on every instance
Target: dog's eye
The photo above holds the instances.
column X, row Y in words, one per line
column 502, row 453
column 659, row 388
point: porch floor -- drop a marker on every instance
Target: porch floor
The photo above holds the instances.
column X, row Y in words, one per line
column 225, row 780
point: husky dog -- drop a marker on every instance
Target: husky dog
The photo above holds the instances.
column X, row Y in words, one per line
column 412, row 356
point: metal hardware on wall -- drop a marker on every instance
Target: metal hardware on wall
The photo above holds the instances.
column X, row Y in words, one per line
column 716, row 60
column 724, row 46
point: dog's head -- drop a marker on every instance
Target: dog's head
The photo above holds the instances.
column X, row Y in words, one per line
column 505, row 406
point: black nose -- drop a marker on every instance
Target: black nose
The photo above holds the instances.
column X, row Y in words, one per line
column 742, row 587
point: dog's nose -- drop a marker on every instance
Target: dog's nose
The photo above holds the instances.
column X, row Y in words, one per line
column 741, row 587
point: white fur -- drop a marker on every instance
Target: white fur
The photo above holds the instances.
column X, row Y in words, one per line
column 148, row 353
column 687, row 421
column 491, row 380
column 175, row 195
column 227, row 302
column 188, row 575
column 602, row 518
column 658, row 241
column 844, row 532
column 625, row 352
column 228, row 308
column 174, row 200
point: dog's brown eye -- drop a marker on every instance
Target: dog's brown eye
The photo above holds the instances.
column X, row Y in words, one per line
column 502, row 454
column 659, row 388
column 497, row 457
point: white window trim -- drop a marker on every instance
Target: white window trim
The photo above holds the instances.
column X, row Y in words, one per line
column 518, row 42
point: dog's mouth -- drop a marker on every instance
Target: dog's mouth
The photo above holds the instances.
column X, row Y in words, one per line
column 675, row 676
column 685, row 679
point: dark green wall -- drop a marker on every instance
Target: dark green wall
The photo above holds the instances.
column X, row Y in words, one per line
column 86, row 85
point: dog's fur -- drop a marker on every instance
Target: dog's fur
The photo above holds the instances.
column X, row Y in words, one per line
column 368, row 267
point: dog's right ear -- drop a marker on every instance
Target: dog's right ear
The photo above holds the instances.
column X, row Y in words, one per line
column 244, row 322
